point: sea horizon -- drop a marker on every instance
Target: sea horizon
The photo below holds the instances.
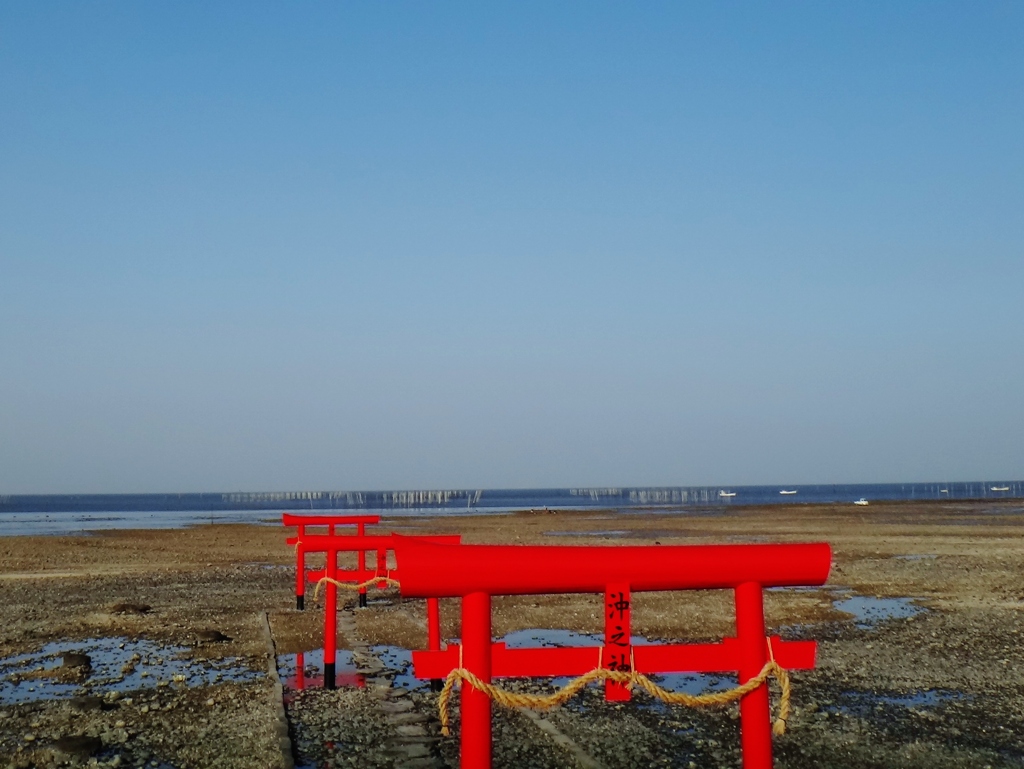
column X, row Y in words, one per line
column 512, row 498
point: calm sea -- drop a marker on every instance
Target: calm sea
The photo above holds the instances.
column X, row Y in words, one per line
column 66, row 513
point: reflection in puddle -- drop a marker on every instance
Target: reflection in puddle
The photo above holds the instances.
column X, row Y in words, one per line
column 398, row 662
column 114, row 664
column 869, row 610
column 306, row 670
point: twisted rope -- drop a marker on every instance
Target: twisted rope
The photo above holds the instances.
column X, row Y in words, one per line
column 357, row 588
column 631, row 679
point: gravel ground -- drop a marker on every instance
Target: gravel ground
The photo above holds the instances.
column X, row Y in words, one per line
column 345, row 727
column 937, row 685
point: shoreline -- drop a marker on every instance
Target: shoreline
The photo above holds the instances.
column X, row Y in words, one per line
column 70, row 523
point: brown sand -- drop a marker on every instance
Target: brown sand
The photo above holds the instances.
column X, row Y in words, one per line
column 867, row 704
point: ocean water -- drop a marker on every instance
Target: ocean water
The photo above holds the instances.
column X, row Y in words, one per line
column 66, row 513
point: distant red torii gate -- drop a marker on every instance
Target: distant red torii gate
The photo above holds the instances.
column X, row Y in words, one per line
column 332, row 545
column 477, row 572
column 302, row 545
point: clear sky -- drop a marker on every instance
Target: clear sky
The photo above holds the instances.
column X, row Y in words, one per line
column 435, row 245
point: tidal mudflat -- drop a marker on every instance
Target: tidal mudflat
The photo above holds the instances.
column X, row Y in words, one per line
column 150, row 648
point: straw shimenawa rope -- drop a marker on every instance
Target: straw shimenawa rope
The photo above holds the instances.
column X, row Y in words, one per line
column 349, row 586
column 631, row 679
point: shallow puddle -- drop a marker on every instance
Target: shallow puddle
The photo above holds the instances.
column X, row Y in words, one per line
column 115, row 664
column 869, row 610
column 550, row 638
column 305, row 670
column 695, row 683
column 869, row 703
column 398, row 662
column 926, row 698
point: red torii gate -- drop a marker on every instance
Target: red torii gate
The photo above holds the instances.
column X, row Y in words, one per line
column 302, row 546
column 332, row 545
column 477, row 572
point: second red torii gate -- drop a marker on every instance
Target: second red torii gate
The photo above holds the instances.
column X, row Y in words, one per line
column 332, row 545
column 302, row 546
column 477, row 572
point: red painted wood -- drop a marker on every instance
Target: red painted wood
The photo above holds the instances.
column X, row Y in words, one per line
column 434, row 625
column 755, row 712
column 332, row 545
column 476, row 706
column 331, row 521
column 575, row 661
column 477, row 572
column 295, row 519
column 617, row 638
column 446, row 571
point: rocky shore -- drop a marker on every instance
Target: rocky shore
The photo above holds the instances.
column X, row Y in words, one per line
column 149, row 648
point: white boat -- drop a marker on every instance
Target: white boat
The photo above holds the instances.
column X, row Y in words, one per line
column 784, row 491
column 860, row 501
column 943, row 491
column 727, row 493
column 1000, row 488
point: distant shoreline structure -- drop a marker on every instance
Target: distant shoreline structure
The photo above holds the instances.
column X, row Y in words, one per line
column 483, row 500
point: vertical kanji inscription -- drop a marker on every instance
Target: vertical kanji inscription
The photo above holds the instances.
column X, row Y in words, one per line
column 617, row 638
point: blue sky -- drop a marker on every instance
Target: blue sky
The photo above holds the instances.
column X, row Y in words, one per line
column 398, row 245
